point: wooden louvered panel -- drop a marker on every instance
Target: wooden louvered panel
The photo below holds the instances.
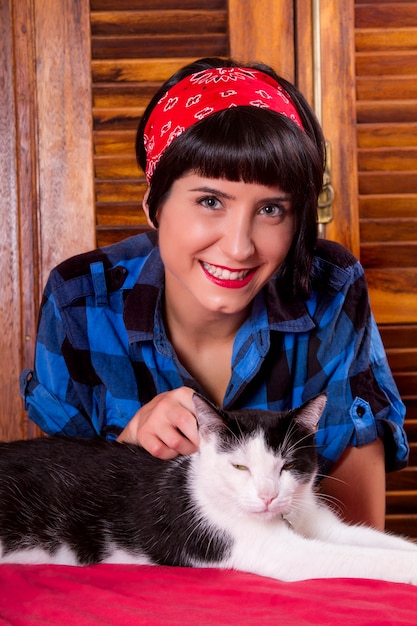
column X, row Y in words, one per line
column 401, row 346
column 386, row 87
column 386, row 74
column 393, row 254
column 387, row 39
column 402, row 524
column 374, row 206
column 386, row 63
column 385, row 14
column 393, row 291
column 387, row 182
column 406, row 479
column 398, row 502
column 390, row 134
column 372, row 88
column 176, row 21
column 387, row 111
column 400, row 343
column 134, row 49
column 392, row 158
column 387, row 229
column 114, row 142
column 139, row 71
column 395, row 339
column 120, row 5
column 156, row 46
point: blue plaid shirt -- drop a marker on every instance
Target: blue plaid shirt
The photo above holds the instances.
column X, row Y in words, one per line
column 102, row 351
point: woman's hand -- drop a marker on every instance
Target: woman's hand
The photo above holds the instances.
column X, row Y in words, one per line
column 165, row 426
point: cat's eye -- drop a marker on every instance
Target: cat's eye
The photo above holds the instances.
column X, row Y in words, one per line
column 288, row 467
column 242, row 468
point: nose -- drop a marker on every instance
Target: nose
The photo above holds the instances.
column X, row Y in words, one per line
column 267, row 499
column 237, row 239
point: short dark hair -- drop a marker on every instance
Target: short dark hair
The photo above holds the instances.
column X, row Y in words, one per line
column 254, row 145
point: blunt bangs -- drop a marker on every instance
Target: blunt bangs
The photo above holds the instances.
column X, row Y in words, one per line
column 246, row 144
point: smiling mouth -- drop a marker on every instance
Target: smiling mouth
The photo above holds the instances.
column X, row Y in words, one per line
column 222, row 273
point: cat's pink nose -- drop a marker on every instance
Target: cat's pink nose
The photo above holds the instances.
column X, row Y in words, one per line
column 267, row 499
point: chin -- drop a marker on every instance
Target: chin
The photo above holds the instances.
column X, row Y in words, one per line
column 224, row 306
column 265, row 515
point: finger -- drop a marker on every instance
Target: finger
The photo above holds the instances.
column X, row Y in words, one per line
column 157, row 448
column 183, row 445
column 186, row 424
column 175, row 439
column 167, row 441
column 182, row 415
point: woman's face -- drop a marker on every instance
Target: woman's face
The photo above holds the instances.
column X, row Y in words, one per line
column 221, row 241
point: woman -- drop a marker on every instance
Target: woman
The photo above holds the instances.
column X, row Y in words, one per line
column 230, row 294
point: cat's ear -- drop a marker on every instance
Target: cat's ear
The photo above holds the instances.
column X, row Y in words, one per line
column 209, row 420
column 309, row 414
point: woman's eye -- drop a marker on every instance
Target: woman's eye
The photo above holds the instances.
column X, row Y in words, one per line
column 273, row 210
column 210, row 202
column 242, row 468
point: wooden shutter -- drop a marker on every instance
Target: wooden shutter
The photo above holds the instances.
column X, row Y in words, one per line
column 134, row 49
column 386, row 81
column 386, row 61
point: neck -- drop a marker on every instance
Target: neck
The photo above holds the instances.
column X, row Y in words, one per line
column 204, row 345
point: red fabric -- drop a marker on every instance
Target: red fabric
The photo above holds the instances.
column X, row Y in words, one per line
column 207, row 92
column 124, row 595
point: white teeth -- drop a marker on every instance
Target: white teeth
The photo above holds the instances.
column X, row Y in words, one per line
column 224, row 274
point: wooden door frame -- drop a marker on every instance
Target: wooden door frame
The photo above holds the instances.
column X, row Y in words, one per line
column 47, row 183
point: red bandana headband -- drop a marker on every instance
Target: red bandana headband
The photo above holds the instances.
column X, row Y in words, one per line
column 204, row 93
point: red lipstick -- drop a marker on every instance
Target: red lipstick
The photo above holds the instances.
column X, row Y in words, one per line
column 228, row 283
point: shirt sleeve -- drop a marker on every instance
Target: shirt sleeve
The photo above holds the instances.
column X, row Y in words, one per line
column 363, row 400
column 49, row 393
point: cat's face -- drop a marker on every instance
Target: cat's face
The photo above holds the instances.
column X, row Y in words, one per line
column 259, row 463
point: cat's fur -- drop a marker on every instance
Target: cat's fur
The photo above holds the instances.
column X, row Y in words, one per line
column 244, row 501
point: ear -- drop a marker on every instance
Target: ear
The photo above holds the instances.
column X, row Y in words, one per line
column 209, row 420
column 145, row 208
column 308, row 415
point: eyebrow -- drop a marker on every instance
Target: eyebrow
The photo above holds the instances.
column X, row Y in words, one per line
column 222, row 194
column 215, row 192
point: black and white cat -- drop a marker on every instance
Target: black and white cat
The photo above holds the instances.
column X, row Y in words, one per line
column 244, row 501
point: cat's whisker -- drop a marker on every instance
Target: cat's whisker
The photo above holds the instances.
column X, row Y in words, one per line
column 333, row 478
column 295, row 445
column 334, row 502
column 288, row 437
